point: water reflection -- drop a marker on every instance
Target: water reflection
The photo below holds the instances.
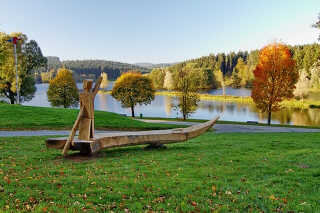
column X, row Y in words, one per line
column 103, row 102
column 161, row 107
column 167, row 103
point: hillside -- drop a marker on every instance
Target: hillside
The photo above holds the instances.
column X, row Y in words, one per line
column 86, row 68
column 154, row 66
column 237, row 68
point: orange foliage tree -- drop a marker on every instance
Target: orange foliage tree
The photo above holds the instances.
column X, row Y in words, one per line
column 275, row 78
column 132, row 88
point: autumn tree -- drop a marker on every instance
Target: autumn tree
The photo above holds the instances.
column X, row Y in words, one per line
column 29, row 58
column 303, row 85
column 275, row 78
column 168, row 81
column 187, row 98
column 63, row 91
column 105, row 82
column 131, row 88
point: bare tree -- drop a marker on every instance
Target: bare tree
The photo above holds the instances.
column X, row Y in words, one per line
column 168, row 81
column 303, row 85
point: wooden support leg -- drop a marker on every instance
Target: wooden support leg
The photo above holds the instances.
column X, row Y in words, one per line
column 73, row 132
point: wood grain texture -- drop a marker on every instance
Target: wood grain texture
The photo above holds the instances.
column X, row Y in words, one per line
column 120, row 139
column 73, row 132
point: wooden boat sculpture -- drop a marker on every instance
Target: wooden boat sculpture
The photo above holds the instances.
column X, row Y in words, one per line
column 88, row 142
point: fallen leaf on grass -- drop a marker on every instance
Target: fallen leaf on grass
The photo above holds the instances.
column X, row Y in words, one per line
column 284, row 200
column 228, row 192
column 7, row 179
column 193, row 203
column 272, row 197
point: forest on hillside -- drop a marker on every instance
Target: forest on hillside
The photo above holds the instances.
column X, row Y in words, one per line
column 83, row 69
column 212, row 71
column 234, row 69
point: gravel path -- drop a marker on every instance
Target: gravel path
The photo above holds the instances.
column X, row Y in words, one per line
column 221, row 128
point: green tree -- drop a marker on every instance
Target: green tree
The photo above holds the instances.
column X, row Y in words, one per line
column 187, row 98
column 29, row 57
column 317, row 24
column 315, row 76
column 303, row 85
column 105, row 82
column 157, row 76
column 132, row 88
column 242, row 74
column 63, row 91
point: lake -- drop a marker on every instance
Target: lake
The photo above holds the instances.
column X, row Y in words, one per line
column 161, row 107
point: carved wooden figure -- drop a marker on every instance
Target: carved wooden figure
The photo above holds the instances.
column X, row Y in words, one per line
column 85, row 120
column 86, row 128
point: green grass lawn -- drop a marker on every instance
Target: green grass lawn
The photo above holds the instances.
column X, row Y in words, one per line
column 18, row 117
column 257, row 172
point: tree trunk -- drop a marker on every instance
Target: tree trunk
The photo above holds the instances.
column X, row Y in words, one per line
column 224, row 90
column 132, row 111
column 11, row 97
column 269, row 117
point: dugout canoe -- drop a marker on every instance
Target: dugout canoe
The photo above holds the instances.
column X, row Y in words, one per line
column 121, row 139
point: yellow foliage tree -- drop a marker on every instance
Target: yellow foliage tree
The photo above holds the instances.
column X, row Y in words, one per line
column 131, row 88
column 63, row 91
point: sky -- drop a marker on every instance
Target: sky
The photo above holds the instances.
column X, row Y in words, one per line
column 159, row 31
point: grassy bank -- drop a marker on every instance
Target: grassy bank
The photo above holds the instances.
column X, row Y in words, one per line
column 276, row 172
column 306, row 104
column 18, row 117
column 236, row 99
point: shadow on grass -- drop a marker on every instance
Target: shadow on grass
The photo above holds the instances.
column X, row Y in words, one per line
column 122, row 151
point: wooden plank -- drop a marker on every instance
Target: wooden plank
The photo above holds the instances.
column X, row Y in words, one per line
column 86, row 101
column 96, row 86
column 56, row 143
column 84, row 129
column 73, row 132
column 109, row 140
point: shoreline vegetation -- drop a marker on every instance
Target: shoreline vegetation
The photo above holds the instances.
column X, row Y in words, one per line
column 306, row 104
column 20, row 117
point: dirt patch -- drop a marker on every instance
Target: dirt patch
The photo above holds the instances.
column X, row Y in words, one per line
column 303, row 166
column 81, row 157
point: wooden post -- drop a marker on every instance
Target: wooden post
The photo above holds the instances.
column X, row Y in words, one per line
column 73, row 132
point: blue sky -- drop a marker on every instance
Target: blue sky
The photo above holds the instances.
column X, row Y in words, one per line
column 158, row 31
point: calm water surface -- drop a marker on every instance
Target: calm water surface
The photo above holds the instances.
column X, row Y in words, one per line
column 161, row 107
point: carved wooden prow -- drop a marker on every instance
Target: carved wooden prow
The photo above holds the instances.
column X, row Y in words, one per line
column 85, row 119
